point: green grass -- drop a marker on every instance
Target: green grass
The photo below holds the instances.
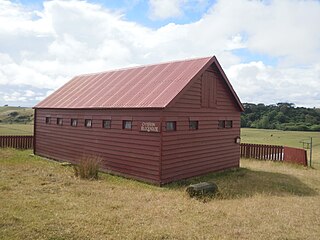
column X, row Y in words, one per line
column 16, row 129
column 41, row 199
column 283, row 138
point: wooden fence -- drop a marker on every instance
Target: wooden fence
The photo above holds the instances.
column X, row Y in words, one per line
column 20, row 142
column 274, row 153
column 263, row 152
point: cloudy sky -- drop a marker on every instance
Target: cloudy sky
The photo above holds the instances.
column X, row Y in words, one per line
column 270, row 50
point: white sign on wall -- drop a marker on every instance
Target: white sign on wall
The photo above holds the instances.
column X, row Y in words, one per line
column 149, row 127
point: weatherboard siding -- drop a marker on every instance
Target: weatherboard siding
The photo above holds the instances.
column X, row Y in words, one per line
column 187, row 153
column 128, row 152
column 178, row 91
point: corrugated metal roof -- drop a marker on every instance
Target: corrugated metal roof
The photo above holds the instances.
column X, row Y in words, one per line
column 152, row 86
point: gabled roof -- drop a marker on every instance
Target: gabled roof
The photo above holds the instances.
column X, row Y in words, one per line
column 152, row 86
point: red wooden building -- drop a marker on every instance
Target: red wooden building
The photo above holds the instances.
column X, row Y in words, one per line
column 157, row 123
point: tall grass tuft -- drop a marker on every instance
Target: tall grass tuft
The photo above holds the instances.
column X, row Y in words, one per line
column 88, row 168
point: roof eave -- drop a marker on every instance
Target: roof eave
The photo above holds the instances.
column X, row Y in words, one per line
column 99, row 108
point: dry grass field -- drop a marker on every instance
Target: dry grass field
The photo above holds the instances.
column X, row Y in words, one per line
column 16, row 129
column 41, row 199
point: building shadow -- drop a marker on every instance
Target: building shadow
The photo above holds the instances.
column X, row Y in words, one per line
column 244, row 183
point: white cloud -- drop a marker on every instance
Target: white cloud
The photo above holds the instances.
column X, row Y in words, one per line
column 283, row 28
column 14, row 97
column 257, row 82
column 29, row 93
column 163, row 9
column 43, row 49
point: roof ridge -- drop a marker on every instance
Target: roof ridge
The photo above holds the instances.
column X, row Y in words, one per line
column 141, row 66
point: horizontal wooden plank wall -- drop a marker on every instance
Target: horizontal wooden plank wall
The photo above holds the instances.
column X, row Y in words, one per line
column 295, row 155
column 19, row 142
column 187, row 153
column 128, row 152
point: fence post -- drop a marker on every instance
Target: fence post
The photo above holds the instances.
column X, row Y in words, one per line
column 247, row 150
column 310, row 151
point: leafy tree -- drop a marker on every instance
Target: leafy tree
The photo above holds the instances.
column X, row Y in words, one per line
column 310, row 119
column 282, row 116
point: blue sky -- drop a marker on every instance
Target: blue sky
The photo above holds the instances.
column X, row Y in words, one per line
column 137, row 10
column 269, row 49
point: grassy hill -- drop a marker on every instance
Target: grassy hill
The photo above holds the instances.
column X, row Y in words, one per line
column 10, row 115
column 41, row 199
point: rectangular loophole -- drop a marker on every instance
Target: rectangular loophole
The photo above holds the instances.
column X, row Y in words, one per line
column 59, row 121
column 127, row 124
column 106, row 124
column 228, row 124
column 48, row 120
column 221, row 124
column 74, row 122
column 171, row 126
column 88, row 123
column 193, row 125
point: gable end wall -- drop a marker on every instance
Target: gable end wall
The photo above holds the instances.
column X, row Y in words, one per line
column 187, row 153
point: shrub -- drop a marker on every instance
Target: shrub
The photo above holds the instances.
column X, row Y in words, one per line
column 88, row 168
column 13, row 114
column 315, row 128
column 294, row 127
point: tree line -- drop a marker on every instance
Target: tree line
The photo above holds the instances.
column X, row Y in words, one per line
column 281, row 116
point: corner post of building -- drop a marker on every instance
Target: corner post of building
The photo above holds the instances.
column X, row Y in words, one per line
column 160, row 147
column 34, row 130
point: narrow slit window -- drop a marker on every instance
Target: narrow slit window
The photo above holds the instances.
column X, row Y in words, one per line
column 193, row 125
column 48, row 120
column 74, row 122
column 221, row 124
column 88, row 123
column 171, row 126
column 228, row 124
column 59, row 121
column 126, row 124
column 106, row 124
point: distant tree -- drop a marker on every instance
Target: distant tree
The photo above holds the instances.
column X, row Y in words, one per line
column 310, row 119
column 272, row 115
column 243, row 121
column 282, row 116
column 264, row 122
